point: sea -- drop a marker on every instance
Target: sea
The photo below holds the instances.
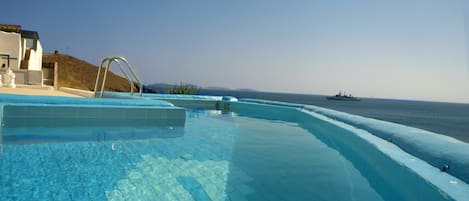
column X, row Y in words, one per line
column 451, row 119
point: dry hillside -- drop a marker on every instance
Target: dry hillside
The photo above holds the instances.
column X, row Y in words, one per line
column 78, row 74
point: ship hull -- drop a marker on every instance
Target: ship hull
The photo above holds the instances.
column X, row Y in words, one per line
column 342, row 98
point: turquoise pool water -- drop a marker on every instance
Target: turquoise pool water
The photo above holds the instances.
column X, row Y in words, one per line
column 219, row 156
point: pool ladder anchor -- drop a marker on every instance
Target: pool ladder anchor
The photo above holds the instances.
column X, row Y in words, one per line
column 130, row 74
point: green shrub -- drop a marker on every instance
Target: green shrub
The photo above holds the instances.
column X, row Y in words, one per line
column 184, row 89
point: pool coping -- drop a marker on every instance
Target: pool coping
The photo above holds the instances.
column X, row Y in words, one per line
column 448, row 184
column 436, row 149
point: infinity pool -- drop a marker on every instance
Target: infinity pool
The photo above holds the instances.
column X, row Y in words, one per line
column 219, row 156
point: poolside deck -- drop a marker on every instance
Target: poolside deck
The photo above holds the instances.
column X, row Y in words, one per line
column 35, row 92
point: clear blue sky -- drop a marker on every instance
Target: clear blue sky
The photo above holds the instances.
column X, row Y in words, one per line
column 406, row 49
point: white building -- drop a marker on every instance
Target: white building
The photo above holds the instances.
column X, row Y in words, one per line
column 21, row 51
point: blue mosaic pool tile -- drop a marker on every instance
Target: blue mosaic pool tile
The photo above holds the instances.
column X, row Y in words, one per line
column 23, row 194
column 114, row 195
column 237, row 196
column 199, row 194
column 78, row 193
column 143, row 169
column 93, row 192
column 41, row 195
column 245, row 189
column 182, row 194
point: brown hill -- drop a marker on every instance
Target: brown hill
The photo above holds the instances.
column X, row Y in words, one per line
column 78, row 74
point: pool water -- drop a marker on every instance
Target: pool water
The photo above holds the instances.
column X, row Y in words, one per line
column 287, row 162
column 219, row 157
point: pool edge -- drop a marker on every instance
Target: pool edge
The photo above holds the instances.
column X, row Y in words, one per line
column 449, row 185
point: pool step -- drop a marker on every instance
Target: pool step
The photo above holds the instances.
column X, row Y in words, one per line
column 50, row 123
column 40, row 118
column 24, row 116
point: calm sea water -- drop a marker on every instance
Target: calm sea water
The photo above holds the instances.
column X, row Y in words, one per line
column 450, row 119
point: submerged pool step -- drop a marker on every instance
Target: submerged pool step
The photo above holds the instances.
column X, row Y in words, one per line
column 99, row 134
column 34, row 115
column 89, row 115
column 62, row 123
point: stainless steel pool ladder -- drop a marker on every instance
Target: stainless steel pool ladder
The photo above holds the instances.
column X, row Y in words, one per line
column 130, row 74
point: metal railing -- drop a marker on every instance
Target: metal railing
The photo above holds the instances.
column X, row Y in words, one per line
column 130, row 74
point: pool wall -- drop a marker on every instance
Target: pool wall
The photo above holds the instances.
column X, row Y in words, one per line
column 438, row 150
column 24, row 117
column 374, row 157
column 1, row 136
column 30, row 115
column 57, row 100
column 180, row 100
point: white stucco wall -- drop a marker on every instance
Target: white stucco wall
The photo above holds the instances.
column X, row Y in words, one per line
column 35, row 59
column 10, row 43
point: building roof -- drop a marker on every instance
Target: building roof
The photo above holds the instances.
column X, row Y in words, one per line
column 17, row 29
column 10, row 28
column 29, row 34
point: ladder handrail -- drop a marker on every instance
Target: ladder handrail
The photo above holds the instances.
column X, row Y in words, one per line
column 106, row 63
column 126, row 75
column 133, row 73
